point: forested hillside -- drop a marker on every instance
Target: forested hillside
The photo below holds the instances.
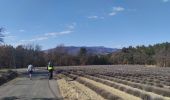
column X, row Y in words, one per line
column 158, row 54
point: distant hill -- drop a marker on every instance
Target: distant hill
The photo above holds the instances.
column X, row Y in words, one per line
column 99, row 50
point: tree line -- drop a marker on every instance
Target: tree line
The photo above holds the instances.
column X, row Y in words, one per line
column 158, row 54
column 22, row 55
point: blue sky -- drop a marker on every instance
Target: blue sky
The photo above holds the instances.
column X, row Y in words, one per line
column 109, row 23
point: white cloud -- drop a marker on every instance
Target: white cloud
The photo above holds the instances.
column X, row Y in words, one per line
column 35, row 39
column 116, row 10
column 58, row 33
column 165, row 1
column 45, row 36
column 93, row 17
column 6, row 33
column 112, row 13
column 8, row 36
column 41, row 38
column 21, row 30
column 51, row 34
column 71, row 26
column 32, row 40
column 65, row 32
column 48, row 35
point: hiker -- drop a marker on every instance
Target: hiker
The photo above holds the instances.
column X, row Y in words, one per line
column 30, row 70
column 50, row 68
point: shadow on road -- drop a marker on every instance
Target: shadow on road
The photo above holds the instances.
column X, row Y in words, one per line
column 10, row 98
column 35, row 74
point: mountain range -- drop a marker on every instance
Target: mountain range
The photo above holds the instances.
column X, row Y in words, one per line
column 94, row 50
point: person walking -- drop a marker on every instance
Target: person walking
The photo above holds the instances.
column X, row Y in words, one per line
column 50, row 68
column 30, row 70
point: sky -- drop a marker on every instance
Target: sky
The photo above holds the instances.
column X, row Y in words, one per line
column 109, row 23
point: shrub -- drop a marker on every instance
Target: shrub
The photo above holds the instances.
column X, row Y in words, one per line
column 150, row 83
column 158, row 98
column 163, row 92
column 147, row 88
column 159, row 85
column 137, row 93
column 112, row 97
column 145, row 97
column 129, row 91
column 122, row 88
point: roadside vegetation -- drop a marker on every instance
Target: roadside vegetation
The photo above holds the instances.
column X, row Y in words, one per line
column 7, row 75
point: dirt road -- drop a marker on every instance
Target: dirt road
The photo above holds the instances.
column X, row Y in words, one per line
column 39, row 88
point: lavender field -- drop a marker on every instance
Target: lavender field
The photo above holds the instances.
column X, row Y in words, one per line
column 127, row 81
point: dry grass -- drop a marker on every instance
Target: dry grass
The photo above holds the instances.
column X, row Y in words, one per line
column 154, row 91
column 72, row 90
column 114, row 91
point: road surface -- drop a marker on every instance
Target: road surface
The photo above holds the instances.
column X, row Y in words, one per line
column 39, row 88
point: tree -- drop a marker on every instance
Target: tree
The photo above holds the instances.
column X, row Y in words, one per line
column 83, row 51
column 163, row 56
column 7, row 57
column 83, row 56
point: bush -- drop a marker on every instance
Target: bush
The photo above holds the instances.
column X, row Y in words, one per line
column 158, row 98
column 9, row 75
column 147, row 88
column 159, row 85
column 129, row 91
column 163, row 92
column 145, row 97
column 137, row 93
column 122, row 88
